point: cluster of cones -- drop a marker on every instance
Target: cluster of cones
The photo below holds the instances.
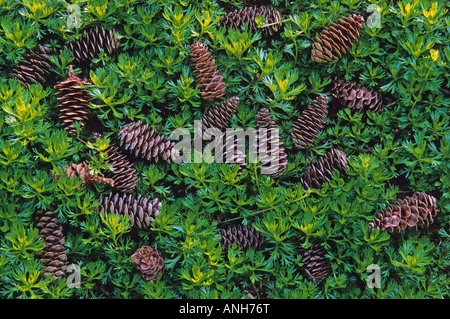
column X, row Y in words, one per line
column 140, row 141
column 316, row 266
column 73, row 100
column 330, row 45
column 212, row 87
column 246, row 236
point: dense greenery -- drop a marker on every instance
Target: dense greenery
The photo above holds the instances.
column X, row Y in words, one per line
column 405, row 148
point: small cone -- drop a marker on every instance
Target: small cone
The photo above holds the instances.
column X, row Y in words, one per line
column 335, row 40
column 207, row 76
column 233, row 151
column 269, row 147
column 148, row 262
column 264, row 119
column 82, row 171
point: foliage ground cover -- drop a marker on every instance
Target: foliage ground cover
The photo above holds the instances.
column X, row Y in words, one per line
column 391, row 154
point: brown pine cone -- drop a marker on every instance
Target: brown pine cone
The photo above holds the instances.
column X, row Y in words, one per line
column 124, row 174
column 237, row 18
column 94, row 41
column 148, row 262
column 219, row 116
column 54, row 254
column 356, row 97
column 245, row 236
column 316, row 265
column 35, row 67
column 310, row 123
column 264, row 118
column 233, row 151
column 334, row 40
column 140, row 209
column 144, row 142
column 320, row 172
column 411, row 212
column 82, row 171
column 73, row 100
column 207, row 76
column 269, row 148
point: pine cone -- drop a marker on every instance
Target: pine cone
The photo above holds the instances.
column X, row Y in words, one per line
column 35, row 67
column 315, row 265
column 262, row 289
column 334, row 40
column 92, row 43
column 73, row 102
column 320, row 172
column 310, row 123
column 124, row 174
column 411, row 212
column 232, row 153
column 143, row 141
column 148, row 262
column 54, row 254
column 245, row 236
column 264, row 119
column 140, row 209
column 269, row 148
column 219, row 116
column 237, row 18
column 356, row 97
column 82, row 171
column 206, row 74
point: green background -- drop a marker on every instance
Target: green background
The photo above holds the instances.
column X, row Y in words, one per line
column 391, row 154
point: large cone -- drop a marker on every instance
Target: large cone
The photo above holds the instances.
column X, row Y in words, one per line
column 144, row 142
column 411, row 212
column 140, row 209
column 207, row 76
column 35, row 67
column 73, row 100
column 245, row 236
column 94, row 41
column 335, row 40
column 356, row 97
column 54, row 254
column 269, row 147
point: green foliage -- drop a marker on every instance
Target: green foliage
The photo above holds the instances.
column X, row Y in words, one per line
column 405, row 148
